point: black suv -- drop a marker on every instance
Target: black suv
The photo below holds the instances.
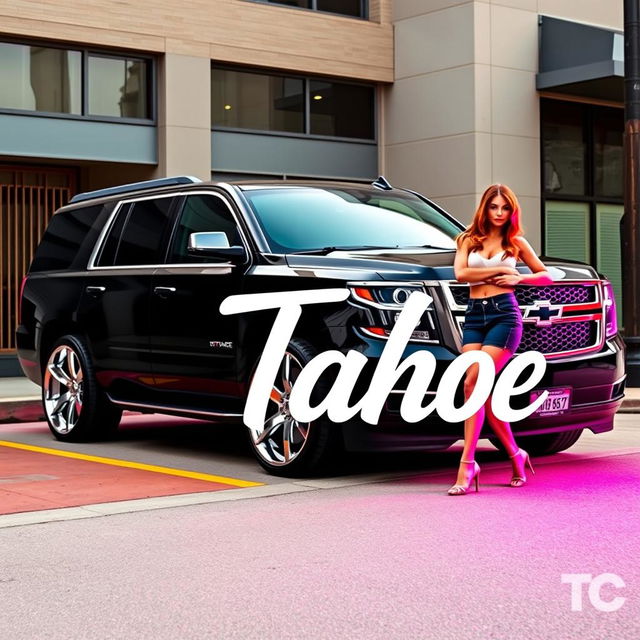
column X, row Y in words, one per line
column 120, row 310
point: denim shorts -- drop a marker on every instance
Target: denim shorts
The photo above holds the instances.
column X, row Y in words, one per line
column 495, row 321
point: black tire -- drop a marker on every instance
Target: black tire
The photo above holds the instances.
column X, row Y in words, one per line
column 312, row 446
column 75, row 407
column 544, row 444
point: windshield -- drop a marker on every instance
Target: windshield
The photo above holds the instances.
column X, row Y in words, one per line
column 309, row 218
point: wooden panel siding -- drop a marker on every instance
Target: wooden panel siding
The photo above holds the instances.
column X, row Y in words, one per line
column 226, row 30
column 28, row 199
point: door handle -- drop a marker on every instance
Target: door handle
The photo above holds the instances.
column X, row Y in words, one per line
column 164, row 292
column 96, row 292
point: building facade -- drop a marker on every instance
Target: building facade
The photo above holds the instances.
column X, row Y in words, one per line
column 441, row 96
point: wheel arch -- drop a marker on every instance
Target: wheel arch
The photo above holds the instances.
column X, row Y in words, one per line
column 51, row 332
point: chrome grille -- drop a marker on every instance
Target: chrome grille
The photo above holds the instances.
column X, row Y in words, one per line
column 527, row 295
column 558, row 338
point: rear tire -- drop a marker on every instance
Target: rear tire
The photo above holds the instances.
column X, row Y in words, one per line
column 284, row 446
column 75, row 407
column 544, row 444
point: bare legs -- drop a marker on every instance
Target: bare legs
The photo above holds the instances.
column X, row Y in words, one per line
column 473, row 424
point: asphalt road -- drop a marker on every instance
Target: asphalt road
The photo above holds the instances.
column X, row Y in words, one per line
column 381, row 552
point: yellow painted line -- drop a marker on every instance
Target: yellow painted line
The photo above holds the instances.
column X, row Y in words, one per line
column 194, row 475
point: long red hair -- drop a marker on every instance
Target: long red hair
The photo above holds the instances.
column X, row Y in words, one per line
column 479, row 228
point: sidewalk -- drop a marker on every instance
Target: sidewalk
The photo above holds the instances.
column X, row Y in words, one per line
column 20, row 400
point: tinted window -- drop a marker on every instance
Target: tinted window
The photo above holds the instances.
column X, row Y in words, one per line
column 257, row 101
column 107, row 256
column 136, row 236
column 202, row 213
column 345, row 7
column 247, row 100
column 305, row 218
column 564, row 147
column 63, row 238
column 340, row 109
column 608, row 151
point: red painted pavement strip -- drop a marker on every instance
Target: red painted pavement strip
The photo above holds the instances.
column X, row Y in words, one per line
column 32, row 481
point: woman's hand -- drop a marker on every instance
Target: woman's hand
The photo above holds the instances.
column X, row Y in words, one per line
column 508, row 280
column 509, row 271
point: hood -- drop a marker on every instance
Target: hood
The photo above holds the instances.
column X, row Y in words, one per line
column 412, row 264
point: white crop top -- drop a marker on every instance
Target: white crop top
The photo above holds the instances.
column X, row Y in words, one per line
column 474, row 259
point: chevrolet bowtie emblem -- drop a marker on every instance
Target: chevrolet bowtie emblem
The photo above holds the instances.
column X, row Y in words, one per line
column 543, row 312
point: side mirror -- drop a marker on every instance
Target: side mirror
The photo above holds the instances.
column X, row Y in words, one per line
column 214, row 244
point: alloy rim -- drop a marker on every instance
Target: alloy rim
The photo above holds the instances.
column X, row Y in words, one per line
column 63, row 386
column 282, row 438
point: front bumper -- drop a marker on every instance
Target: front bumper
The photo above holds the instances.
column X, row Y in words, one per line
column 393, row 434
column 597, row 382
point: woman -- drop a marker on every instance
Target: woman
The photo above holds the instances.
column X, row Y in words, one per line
column 486, row 257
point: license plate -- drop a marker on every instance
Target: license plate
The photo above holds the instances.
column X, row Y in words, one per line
column 558, row 401
column 422, row 328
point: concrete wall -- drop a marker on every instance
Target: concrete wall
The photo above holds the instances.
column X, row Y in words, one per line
column 464, row 112
column 184, row 116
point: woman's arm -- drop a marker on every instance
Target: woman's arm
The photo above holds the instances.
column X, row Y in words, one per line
column 540, row 274
column 465, row 273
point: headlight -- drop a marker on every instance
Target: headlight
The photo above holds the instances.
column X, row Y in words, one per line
column 610, row 312
column 393, row 297
column 384, row 304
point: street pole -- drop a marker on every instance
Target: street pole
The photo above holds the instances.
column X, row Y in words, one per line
column 631, row 218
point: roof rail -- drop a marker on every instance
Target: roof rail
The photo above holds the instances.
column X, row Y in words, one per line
column 133, row 186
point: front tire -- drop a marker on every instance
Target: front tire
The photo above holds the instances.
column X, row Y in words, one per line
column 283, row 446
column 75, row 407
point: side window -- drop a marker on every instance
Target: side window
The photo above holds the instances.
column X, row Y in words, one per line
column 136, row 236
column 63, row 238
column 201, row 213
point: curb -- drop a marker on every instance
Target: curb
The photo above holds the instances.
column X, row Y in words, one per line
column 30, row 409
column 21, row 410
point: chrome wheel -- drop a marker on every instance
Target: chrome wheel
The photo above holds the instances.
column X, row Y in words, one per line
column 62, row 388
column 281, row 439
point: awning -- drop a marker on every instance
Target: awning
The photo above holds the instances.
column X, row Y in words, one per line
column 580, row 59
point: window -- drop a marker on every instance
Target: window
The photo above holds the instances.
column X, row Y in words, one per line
column 307, row 219
column 74, row 82
column 62, row 240
column 118, row 87
column 608, row 153
column 341, row 110
column 202, row 213
column 289, row 104
column 355, row 8
column 564, row 147
column 40, row 79
column 583, row 184
column 137, row 235
column 257, row 101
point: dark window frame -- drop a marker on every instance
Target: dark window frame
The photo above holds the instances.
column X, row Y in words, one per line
column 364, row 8
column 178, row 212
column 152, row 101
column 306, row 79
column 588, row 119
column 122, row 211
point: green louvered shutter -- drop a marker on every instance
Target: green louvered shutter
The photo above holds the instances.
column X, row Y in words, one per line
column 567, row 230
column 608, row 253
